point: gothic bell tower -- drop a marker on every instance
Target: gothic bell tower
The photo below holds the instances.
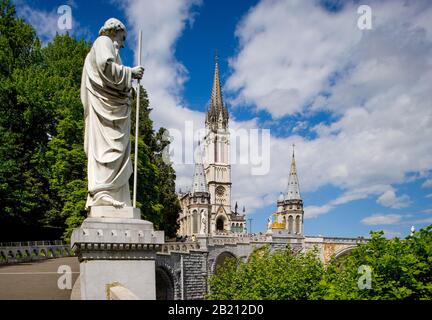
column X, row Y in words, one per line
column 217, row 158
column 290, row 213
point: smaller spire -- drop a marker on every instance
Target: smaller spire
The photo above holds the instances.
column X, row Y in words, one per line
column 293, row 192
column 199, row 182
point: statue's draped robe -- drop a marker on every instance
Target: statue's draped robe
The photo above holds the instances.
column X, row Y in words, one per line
column 106, row 97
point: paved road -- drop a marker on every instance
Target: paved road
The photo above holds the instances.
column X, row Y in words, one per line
column 36, row 280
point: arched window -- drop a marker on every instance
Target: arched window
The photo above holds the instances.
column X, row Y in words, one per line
column 220, row 224
column 195, row 222
column 290, row 225
column 297, row 225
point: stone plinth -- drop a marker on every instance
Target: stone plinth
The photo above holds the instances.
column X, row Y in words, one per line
column 111, row 212
column 115, row 251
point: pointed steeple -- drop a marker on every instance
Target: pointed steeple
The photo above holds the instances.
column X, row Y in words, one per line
column 199, row 180
column 216, row 95
column 217, row 111
column 293, row 192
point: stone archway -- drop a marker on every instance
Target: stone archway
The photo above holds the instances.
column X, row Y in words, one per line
column 343, row 252
column 221, row 259
column 164, row 284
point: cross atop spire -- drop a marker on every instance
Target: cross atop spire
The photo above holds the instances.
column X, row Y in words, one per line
column 217, row 110
column 293, row 192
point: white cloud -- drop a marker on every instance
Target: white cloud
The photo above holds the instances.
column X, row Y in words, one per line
column 45, row 22
column 381, row 94
column 304, row 45
column 429, row 195
column 382, row 219
column 427, row 211
column 423, row 221
column 348, row 196
column 315, row 211
column 385, row 119
column 391, row 234
column 162, row 24
column 427, row 183
column 389, row 199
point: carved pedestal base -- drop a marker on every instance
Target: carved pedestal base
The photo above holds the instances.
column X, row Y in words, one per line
column 117, row 251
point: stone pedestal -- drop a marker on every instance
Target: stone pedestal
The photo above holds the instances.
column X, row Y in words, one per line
column 114, row 250
column 111, row 212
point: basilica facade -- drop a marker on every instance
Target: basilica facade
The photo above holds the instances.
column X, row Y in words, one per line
column 206, row 209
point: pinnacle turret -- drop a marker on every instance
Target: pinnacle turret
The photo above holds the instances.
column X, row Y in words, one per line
column 293, row 190
column 199, row 180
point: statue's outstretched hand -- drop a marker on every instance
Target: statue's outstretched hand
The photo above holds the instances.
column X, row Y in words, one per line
column 137, row 72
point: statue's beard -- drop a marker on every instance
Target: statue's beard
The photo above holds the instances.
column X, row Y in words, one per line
column 117, row 46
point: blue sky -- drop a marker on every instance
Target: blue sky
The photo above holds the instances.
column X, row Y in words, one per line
column 357, row 103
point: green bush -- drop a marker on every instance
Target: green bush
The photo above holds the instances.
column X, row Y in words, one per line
column 399, row 269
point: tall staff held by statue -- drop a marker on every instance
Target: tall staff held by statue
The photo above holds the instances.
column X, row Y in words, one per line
column 137, row 123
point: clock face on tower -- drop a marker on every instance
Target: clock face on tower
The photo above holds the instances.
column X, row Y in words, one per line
column 220, row 191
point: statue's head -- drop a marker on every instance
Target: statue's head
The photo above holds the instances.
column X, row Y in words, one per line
column 114, row 29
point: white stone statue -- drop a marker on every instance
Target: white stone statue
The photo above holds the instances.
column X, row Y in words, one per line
column 269, row 223
column 106, row 96
column 203, row 222
column 280, row 219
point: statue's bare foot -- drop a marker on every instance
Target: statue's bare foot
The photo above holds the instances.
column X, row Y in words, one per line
column 106, row 200
column 118, row 204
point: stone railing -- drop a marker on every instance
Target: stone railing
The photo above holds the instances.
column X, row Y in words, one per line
column 344, row 240
column 33, row 243
column 15, row 252
column 179, row 247
column 224, row 240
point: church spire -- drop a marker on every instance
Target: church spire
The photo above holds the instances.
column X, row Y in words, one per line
column 293, row 192
column 216, row 95
column 199, row 180
column 217, row 112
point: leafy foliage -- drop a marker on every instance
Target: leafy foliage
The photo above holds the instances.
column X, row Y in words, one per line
column 43, row 185
column 156, row 195
column 279, row 275
column 400, row 269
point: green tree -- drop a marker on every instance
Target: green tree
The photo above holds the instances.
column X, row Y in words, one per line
column 278, row 275
column 400, row 269
column 65, row 160
column 156, row 195
column 43, row 179
column 22, row 132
